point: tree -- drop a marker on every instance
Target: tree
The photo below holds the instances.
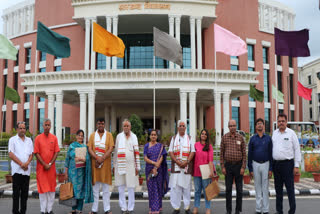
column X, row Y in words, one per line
column 136, row 125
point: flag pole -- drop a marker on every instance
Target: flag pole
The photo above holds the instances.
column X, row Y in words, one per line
column 215, row 91
column 154, row 92
column 34, row 95
column 276, row 83
column 4, row 102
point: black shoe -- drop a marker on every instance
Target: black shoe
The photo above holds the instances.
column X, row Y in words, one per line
column 237, row 212
column 176, row 212
column 131, row 212
column 258, row 212
column 266, row 213
column 107, row 212
column 187, row 211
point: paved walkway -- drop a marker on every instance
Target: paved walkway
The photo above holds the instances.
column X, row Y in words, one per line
column 306, row 186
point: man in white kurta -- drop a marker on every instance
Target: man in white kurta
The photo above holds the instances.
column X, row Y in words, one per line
column 181, row 151
column 127, row 165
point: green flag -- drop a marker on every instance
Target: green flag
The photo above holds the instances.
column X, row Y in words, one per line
column 7, row 50
column 51, row 42
column 256, row 94
column 276, row 94
column 12, row 95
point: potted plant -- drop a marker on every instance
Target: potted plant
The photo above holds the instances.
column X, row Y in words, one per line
column 60, row 175
column 140, row 179
column 246, row 177
column 316, row 167
column 9, row 176
column 296, row 177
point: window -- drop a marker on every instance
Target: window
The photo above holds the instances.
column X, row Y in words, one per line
column 40, row 119
column 57, row 68
column 309, row 80
column 27, row 71
column 236, row 98
column 5, row 63
column 16, row 79
column 43, row 56
column 250, row 53
column 42, row 99
column 266, row 85
column 292, row 116
column 250, row 69
column 100, row 61
column 28, row 55
column 186, row 51
column 236, row 116
column 310, row 113
column 279, row 80
column 265, row 52
column 319, row 98
column 14, row 121
column 290, row 62
column 27, row 118
column 17, row 61
column 252, row 119
column 234, row 67
column 310, row 101
column 234, row 57
column 42, row 70
column 280, row 111
column 26, row 97
column 251, row 99
column 278, row 60
column 291, row 88
column 4, row 121
column 267, row 119
column 5, row 82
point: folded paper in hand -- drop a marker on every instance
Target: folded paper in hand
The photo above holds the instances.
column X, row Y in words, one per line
column 205, row 171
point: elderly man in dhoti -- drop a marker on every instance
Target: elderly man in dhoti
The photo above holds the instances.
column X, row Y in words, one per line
column 127, row 165
column 181, row 151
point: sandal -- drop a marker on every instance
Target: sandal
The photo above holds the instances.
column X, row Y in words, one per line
column 73, row 212
column 93, row 212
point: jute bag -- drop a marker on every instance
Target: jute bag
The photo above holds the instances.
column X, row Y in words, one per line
column 212, row 190
column 66, row 191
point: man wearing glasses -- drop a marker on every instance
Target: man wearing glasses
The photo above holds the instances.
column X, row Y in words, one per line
column 46, row 149
column 286, row 161
column 233, row 163
column 21, row 153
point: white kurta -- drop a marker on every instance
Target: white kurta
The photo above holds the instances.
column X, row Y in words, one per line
column 180, row 179
column 129, row 179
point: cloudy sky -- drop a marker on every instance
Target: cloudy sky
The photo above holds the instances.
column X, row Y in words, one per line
column 307, row 16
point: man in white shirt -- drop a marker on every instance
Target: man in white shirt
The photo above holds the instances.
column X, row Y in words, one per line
column 286, row 160
column 181, row 151
column 21, row 152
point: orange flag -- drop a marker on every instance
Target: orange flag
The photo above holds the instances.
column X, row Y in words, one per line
column 106, row 43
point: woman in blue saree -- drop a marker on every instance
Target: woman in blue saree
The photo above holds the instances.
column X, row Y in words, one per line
column 155, row 156
column 79, row 174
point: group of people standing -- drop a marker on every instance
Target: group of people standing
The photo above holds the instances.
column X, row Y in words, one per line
column 93, row 172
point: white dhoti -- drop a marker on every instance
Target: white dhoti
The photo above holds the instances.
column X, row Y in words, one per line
column 105, row 196
column 46, row 201
column 180, row 185
column 122, row 198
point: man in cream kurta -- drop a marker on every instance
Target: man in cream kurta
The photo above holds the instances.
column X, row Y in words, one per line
column 100, row 147
column 181, row 151
column 127, row 166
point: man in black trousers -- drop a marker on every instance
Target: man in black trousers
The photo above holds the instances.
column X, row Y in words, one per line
column 233, row 163
column 21, row 152
column 286, row 160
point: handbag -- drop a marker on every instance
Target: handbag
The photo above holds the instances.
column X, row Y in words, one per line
column 66, row 191
column 212, row 190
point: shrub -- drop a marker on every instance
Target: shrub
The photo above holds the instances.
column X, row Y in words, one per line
column 136, row 125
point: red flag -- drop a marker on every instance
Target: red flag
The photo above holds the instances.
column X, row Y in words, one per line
column 304, row 92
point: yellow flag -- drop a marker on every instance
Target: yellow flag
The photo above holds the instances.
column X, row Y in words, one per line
column 106, row 43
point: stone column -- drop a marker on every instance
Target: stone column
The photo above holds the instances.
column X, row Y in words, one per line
column 115, row 32
column 108, row 60
column 171, row 119
column 226, row 111
column 91, row 111
column 200, row 119
column 183, row 106
column 59, row 98
column 199, row 43
column 107, row 118
column 217, row 113
column 171, row 33
column 192, row 115
column 23, row 25
column 32, row 17
column 51, row 110
column 87, row 44
column 83, row 112
column 193, row 42
column 93, row 53
column 178, row 21
column 113, row 118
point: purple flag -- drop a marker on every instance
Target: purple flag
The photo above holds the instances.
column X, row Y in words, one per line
column 291, row 43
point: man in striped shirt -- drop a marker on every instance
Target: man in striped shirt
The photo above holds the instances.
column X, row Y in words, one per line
column 233, row 164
